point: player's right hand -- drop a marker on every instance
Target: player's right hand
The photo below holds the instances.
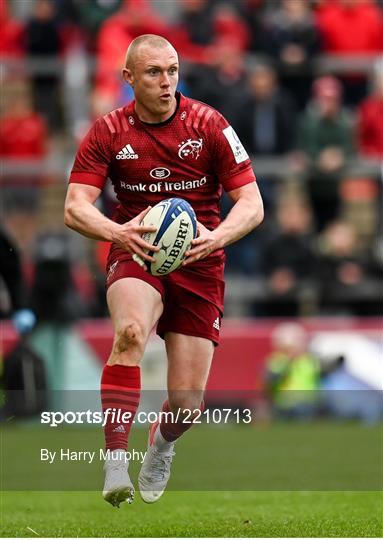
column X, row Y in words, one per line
column 129, row 237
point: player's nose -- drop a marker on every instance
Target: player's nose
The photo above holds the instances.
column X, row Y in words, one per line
column 165, row 82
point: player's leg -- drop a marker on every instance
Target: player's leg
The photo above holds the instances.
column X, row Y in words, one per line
column 189, row 360
column 135, row 307
column 190, row 325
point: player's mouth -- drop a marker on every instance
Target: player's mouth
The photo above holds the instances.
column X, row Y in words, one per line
column 166, row 96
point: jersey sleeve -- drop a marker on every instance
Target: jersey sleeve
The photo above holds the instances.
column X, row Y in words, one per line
column 231, row 161
column 92, row 162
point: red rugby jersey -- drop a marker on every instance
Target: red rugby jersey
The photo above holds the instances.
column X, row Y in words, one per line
column 192, row 155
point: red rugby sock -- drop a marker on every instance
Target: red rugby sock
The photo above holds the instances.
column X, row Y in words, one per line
column 173, row 430
column 120, row 393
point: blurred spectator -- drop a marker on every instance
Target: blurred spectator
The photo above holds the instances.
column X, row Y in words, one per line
column 253, row 13
column 23, row 137
column 223, row 86
column 23, row 131
column 90, row 14
column 288, row 258
column 292, row 373
column 42, row 39
column 293, row 41
column 204, row 26
column 12, row 276
column 11, row 31
column 135, row 17
column 229, row 28
column 265, row 122
column 370, row 121
column 55, row 298
column 351, row 28
column 326, row 140
column 345, row 273
column 360, row 197
column 195, row 31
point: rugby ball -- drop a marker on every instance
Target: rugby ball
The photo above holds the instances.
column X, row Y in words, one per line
column 176, row 224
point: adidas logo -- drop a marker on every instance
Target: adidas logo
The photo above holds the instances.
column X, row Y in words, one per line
column 127, row 153
column 119, row 429
column 111, row 270
column 216, row 324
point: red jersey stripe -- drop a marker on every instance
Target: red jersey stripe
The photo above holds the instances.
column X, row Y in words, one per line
column 109, row 123
column 194, row 109
column 116, row 120
column 124, row 123
column 207, row 117
column 199, row 116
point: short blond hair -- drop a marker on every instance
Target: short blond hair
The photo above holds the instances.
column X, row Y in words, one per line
column 146, row 39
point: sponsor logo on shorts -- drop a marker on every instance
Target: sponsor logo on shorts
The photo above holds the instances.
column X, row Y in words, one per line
column 111, row 270
column 216, row 324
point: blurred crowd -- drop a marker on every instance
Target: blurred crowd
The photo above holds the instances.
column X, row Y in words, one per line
column 314, row 130
column 309, row 377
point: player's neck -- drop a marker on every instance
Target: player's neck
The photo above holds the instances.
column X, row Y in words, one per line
column 149, row 118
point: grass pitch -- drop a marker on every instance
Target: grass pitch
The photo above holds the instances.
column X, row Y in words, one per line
column 302, row 459
column 194, row 514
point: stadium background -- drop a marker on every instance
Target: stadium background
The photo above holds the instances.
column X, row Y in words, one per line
column 312, row 273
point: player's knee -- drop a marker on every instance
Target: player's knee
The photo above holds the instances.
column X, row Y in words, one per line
column 185, row 406
column 130, row 339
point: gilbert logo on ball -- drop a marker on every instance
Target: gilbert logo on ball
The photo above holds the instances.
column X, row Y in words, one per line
column 176, row 224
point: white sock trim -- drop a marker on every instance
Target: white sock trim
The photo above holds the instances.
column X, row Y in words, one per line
column 116, row 456
column 160, row 443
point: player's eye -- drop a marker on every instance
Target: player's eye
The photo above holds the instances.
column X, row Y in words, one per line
column 153, row 71
column 173, row 70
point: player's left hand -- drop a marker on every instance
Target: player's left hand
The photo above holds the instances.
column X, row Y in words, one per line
column 205, row 243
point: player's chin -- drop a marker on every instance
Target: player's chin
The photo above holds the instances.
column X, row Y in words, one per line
column 164, row 105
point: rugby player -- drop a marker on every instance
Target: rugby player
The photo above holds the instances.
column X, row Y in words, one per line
column 160, row 145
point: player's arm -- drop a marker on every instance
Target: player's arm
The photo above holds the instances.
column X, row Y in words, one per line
column 81, row 215
column 245, row 215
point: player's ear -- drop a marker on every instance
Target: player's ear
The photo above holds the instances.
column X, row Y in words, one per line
column 127, row 75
